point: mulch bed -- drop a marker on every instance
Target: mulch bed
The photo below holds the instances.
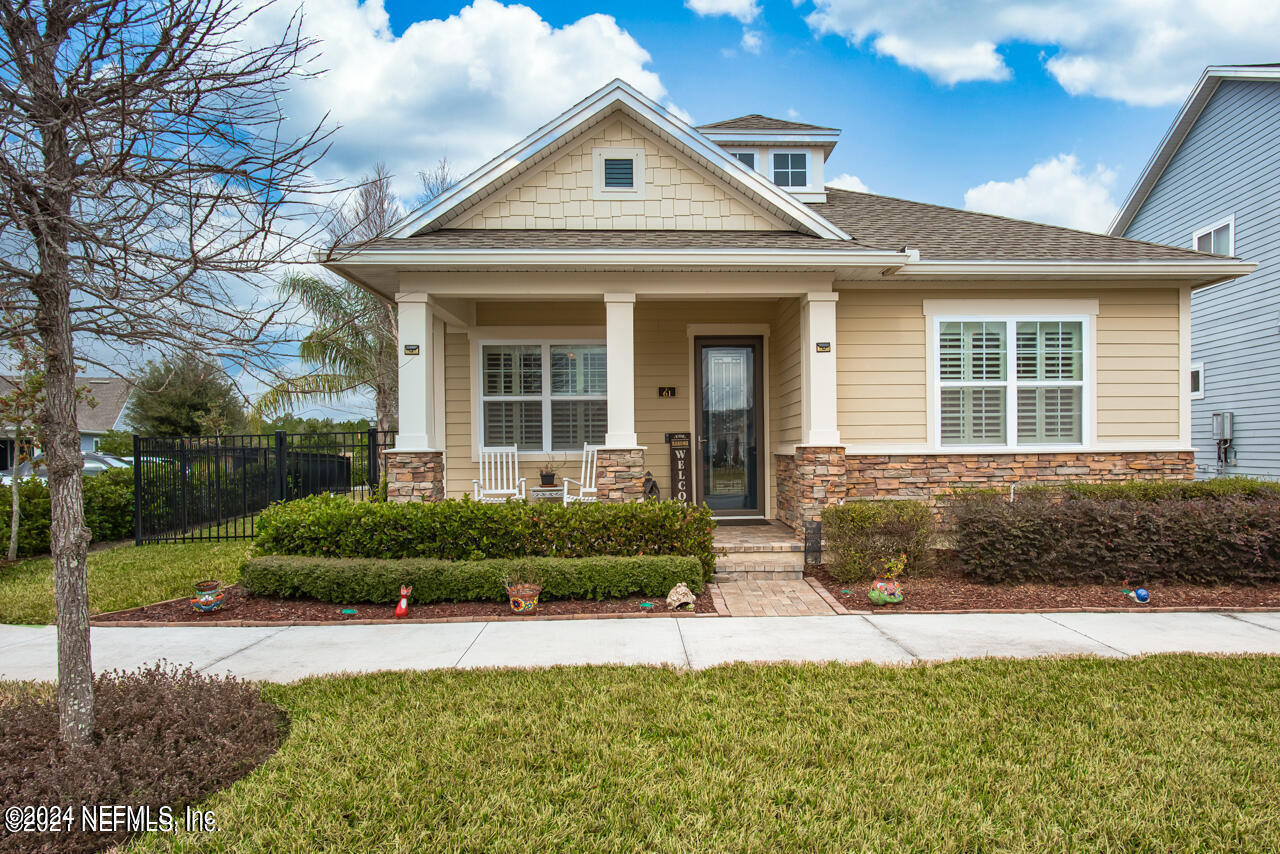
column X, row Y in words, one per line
column 243, row 606
column 948, row 590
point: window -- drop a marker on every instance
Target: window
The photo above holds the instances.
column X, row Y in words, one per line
column 541, row 396
column 1218, row 238
column 1010, row 382
column 790, row 169
column 747, row 158
column 1197, row 380
column 619, row 172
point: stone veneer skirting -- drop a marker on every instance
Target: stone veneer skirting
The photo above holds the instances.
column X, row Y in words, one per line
column 620, row 474
column 816, row 477
column 414, row 475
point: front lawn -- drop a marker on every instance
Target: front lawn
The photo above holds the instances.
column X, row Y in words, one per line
column 124, row 577
column 1158, row 754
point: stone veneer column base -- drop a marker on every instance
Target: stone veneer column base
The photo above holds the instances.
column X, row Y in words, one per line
column 808, row 482
column 619, row 475
column 414, row 475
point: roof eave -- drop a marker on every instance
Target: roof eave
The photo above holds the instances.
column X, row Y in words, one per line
column 1208, row 83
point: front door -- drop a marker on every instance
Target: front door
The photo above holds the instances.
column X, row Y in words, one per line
column 730, row 424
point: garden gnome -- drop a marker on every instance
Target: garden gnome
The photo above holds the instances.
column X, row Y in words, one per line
column 680, row 597
column 402, row 610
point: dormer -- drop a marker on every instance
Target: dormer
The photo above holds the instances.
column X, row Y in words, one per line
column 791, row 154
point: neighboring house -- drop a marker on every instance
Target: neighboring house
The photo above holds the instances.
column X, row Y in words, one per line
column 1214, row 184
column 620, row 276
column 108, row 396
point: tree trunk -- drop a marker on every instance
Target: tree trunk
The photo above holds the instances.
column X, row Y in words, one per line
column 15, row 515
column 384, row 405
column 68, row 536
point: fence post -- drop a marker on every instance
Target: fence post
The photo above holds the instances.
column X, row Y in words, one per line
column 282, row 475
column 137, row 490
column 373, row 461
column 182, row 488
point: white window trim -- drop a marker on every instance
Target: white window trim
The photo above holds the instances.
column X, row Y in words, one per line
column 1197, row 367
column 1088, row 396
column 808, row 168
column 1208, row 229
column 600, row 192
column 479, row 398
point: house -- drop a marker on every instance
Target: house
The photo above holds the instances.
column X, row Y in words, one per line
column 100, row 409
column 1212, row 184
column 622, row 279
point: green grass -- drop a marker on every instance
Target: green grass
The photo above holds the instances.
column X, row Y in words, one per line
column 1168, row 753
column 119, row 578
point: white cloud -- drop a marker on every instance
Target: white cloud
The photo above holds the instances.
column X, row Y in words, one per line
column 1137, row 51
column 848, row 182
column 1057, row 191
column 752, row 41
column 745, row 11
column 463, row 87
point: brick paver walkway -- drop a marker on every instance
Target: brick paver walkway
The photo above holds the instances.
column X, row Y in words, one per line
column 781, row 598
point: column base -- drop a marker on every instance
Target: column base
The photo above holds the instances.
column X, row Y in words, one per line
column 808, row 482
column 414, row 475
column 619, row 475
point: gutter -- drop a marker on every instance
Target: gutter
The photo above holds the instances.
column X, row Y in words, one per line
column 612, row 257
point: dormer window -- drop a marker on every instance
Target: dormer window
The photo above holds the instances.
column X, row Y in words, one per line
column 746, row 158
column 618, row 173
column 791, row 168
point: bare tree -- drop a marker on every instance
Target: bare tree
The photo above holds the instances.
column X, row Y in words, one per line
column 353, row 341
column 436, row 180
column 148, row 179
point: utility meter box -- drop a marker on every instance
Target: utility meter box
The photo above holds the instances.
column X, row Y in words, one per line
column 1223, row 426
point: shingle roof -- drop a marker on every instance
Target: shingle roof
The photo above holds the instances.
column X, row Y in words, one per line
column 755, row 121
column 110, row 394
column 874, row 222
column 950, row 234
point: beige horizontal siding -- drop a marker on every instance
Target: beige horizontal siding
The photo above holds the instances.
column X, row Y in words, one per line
column 883, row 375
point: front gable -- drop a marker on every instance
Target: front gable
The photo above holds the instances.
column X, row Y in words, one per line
column 672, row 192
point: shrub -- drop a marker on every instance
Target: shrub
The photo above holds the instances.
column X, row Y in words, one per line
column 164, row 737
column 108, row 511
column 862, row 535
column 462, row 529
column 1163, row 490
column 346, row 580
column 1110, row 541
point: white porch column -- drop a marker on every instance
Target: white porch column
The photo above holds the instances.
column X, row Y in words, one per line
column 418, row 398
column 818, row 424
column 620, row 341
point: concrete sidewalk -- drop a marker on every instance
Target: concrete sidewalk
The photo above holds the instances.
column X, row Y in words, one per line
column 285, row 654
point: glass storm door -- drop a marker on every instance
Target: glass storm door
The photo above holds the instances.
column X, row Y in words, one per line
column 729, row 425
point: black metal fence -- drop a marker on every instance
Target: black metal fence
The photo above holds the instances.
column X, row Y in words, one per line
column 203, row 488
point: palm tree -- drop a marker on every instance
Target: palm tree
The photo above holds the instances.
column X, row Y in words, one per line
column 352, row 347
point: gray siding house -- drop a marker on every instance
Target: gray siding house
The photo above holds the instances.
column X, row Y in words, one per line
column 1214, row 184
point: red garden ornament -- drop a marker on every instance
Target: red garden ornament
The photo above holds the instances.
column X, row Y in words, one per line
column 402, row 610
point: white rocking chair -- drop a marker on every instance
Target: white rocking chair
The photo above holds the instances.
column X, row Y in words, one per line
column 499, row 476
column 586, row 486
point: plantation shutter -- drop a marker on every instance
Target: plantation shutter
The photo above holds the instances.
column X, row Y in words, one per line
column 512, row 396
column 579, row 411
column 1050, row 355
column 970, row 354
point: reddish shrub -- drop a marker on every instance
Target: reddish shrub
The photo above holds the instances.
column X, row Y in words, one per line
column 164, row 737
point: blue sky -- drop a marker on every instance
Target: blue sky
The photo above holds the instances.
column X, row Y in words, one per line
column 904, row 134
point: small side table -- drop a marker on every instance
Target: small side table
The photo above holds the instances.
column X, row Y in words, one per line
column 547, row 493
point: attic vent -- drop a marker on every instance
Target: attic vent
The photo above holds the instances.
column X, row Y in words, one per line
column 619, row 172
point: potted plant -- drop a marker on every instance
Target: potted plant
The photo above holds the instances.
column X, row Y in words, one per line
column 886, row 589
column 522, row 592
column 547, row 472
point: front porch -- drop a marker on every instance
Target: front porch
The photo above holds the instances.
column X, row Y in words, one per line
column 742, row 381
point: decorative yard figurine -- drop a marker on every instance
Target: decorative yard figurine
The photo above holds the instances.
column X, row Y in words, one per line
column 887, row 590
column 209, row 597
column 1139, row 595
column 402, row 610
column 681, row 597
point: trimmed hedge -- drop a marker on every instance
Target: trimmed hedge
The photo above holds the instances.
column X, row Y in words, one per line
column 462, row 529
column 1109, row 541
column 350, row 580
column 108, row 511
column 1163, row 490
column 862, row 535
